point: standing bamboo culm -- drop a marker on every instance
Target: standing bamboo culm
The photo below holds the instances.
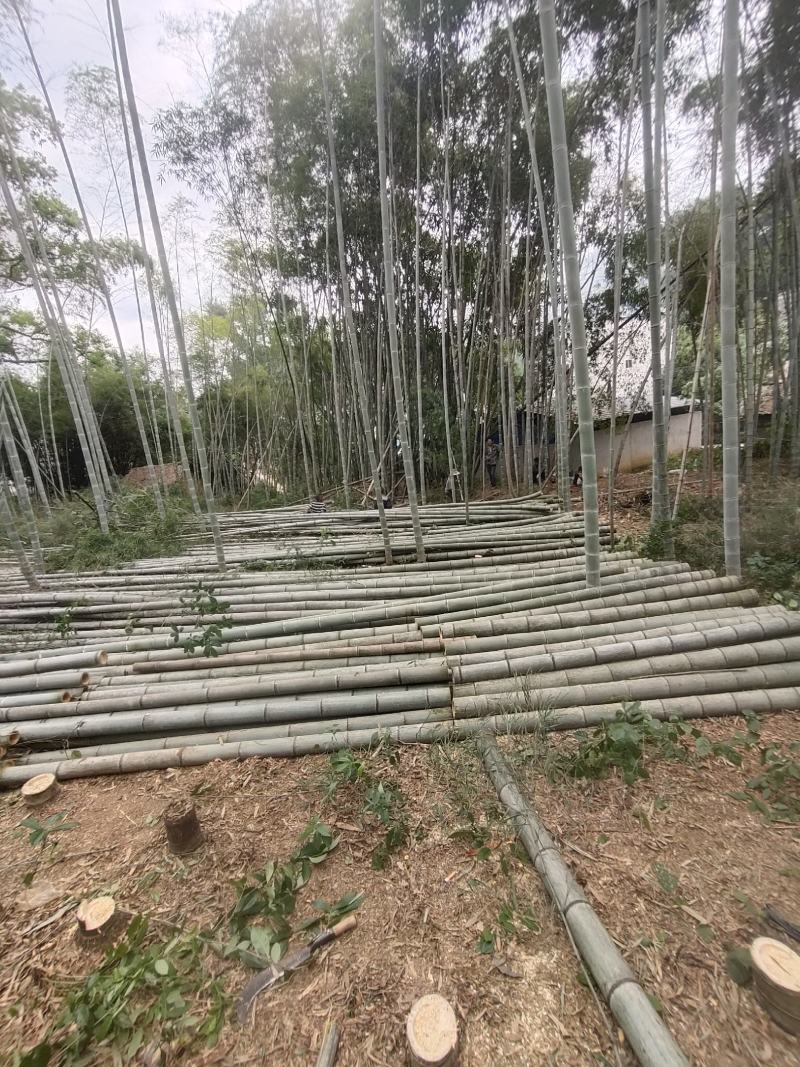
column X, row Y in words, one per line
column 730, row 403
column 98, row 266
column 558, row 137
column 166, row 277
column 347, row 306
column 9, row 528
column 391, row 308
column 660, row 514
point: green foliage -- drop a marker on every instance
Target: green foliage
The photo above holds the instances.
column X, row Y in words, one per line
column 382, row 801
column 387, row 804
column 667, row 881
column 40, row 832
column 137, row 531
column 142, row 989
column 64, row 627
column 625, row 743
column 345, row 768
column 515, row 921
column 775, row 790
column 270, row 895
column 486, row 941
column 202, row 604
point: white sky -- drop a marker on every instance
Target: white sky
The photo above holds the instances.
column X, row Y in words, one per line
column 74, row 33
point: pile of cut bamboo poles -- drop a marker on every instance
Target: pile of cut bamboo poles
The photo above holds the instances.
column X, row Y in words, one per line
column 321, row 646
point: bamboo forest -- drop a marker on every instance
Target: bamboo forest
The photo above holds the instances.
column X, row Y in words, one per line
column 400, row 533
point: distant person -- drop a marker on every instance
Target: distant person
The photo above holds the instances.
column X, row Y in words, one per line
column 318, row 505
column 450, row 485
column 492, row 456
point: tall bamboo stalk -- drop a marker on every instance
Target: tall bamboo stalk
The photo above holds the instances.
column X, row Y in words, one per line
column 9, row 528
column 7, row 391
column 20, row 485
column 417, row 317
column 169, row 291
column 660, row 513
column 59, row 336
column 558, row 137
column 344, row 280
column 562, row 443
column 391, row 308
column 730, row 404
column 750, row 321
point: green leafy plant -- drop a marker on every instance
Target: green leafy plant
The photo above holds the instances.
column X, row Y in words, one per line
column 775, row 790
column 202, row 604
column 382, row 801
column 63, row 623
column 142, row 990
column 486, row 941
column 667, row 881
column 627, row 741
column 330, row 914
column 259, row 920
column 345, row 769
column 386, row 803
column 515, row 921
column 40, row 832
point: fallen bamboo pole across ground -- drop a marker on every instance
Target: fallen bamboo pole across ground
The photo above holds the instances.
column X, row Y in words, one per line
column 640, row 1022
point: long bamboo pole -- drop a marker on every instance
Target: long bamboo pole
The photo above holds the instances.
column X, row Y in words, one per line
column 558, row 133
column 166, row 277
column 389, row 289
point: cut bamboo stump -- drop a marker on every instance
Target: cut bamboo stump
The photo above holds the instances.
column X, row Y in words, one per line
column 39, row 790
column 432, row 1033
column 95, row 918
column 183, row 828
column 776, row 977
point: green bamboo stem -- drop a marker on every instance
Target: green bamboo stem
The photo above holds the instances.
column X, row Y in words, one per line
column 646, row 1033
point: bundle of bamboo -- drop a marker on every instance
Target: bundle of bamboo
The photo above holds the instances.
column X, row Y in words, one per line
column 175, row 662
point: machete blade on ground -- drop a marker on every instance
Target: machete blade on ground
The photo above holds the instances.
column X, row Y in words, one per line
column 276, row 972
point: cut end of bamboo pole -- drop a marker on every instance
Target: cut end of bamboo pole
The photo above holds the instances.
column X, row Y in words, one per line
column 37, row 791
column 432, row 1033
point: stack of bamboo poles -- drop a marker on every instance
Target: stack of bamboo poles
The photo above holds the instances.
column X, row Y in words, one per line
column 497, row 630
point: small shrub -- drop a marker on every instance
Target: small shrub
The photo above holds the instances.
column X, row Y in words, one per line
column 73, row 541
column 625, row 743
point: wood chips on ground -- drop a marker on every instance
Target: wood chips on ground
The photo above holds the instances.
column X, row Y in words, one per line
column 422, row 916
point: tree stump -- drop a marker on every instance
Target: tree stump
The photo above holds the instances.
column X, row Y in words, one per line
column 39, row 790
column 183, row 828
column 95, row 918
column 432, row 1033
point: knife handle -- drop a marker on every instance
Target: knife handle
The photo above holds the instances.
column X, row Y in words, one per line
column 344, row 926
column 324, row 937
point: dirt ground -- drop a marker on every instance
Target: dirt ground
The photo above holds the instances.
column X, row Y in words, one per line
column 727, row 861
column 458, row 880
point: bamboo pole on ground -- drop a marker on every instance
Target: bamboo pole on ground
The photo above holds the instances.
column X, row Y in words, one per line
column 646, row 1033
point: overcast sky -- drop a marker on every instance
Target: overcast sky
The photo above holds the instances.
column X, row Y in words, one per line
column 74, row 33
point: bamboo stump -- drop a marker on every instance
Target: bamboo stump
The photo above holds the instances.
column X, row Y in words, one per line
column 432, row 1033
column 95, row 918
column 183, row 828
column 39, row 790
